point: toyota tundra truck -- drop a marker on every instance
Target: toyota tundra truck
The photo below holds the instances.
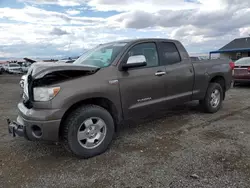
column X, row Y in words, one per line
column 83, row 104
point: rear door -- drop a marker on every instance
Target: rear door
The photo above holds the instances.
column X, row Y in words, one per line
column 142, row 88
column 179, row 79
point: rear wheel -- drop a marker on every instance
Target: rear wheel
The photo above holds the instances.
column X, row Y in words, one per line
column 213, row 99
column 88, row 131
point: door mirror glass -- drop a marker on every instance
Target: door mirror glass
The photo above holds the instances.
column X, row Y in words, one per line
column 135, row 61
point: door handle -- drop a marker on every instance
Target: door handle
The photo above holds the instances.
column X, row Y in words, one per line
column 160, row 73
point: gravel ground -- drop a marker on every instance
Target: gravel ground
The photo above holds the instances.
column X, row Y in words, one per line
column 181, row 148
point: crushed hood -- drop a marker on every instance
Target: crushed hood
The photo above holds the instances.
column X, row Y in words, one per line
column 39, row 70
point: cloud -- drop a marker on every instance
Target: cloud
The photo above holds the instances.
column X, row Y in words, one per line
column 19, row 40
column 58, row 32
column 73, row 12
column 245, row 31
column 168, row 18
column 148, row 5
column 35, row 15
column 121, row 6
column 202, row 25
column 157, row 5
column 38, row 29
column 37, row 50
column 55, row 2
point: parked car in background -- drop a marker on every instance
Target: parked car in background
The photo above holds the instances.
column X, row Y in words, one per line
column 25, row 67
column 195, row 58
column 199, row 58
column 13, row 68
column 5, row 66
column 66, row 61
column 1, row 69
column 241, row 70
column 83, row 104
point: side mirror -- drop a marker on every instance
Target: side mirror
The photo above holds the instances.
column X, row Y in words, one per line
column 135, row 61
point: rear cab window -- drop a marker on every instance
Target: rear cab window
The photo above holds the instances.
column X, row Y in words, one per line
column 169, row 53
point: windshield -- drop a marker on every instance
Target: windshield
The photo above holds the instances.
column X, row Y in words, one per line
column 101, row 56
column 243, row 61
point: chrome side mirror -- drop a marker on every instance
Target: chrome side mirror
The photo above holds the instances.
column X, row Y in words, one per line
column 135, row 61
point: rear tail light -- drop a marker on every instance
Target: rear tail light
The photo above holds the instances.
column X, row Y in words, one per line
column 248, row 69
column 232, row 65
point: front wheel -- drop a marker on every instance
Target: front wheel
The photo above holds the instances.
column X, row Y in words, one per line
column 88, row 131
column 213, row 99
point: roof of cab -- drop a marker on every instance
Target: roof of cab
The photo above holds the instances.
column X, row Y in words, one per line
column 142, row 40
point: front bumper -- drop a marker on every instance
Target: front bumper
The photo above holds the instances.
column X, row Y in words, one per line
column 35, row 125
column 15, row 129
column 15, row 71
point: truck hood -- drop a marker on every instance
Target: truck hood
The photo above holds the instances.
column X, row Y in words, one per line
column 39, row 70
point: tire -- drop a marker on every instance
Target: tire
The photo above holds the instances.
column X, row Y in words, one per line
column 77, row 120
column 206, row 102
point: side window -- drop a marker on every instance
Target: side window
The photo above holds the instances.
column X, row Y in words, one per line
column 148, row 50
column 169, row 53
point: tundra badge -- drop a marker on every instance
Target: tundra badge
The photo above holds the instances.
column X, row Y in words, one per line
column 113, row 82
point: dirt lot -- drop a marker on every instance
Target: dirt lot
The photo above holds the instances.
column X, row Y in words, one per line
column 181, row 148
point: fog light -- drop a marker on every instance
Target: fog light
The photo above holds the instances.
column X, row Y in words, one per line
column 36, row 131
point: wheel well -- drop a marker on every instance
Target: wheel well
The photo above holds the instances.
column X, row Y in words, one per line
column 220, row 80
column 103, row 102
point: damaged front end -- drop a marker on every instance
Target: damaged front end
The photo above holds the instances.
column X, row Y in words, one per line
column 42, row 74
column 31, row 121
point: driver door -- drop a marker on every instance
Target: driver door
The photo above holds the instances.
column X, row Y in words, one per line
column 142, row 88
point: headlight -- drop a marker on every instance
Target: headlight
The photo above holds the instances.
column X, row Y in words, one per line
column 45, row 93
column 21, row 83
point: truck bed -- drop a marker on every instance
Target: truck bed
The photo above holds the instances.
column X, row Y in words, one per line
column 207, row 69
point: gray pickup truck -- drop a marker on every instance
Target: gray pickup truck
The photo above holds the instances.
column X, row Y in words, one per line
column 83, row 104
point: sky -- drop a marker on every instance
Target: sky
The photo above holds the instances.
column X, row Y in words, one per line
column 62, row 28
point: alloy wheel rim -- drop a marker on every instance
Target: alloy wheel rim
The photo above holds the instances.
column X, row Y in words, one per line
column 92, row 132
column 215, row 98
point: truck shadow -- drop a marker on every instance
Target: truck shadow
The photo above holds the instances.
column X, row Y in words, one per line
column 242, row 85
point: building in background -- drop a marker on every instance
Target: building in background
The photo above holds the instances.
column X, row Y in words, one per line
column 235, row 50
